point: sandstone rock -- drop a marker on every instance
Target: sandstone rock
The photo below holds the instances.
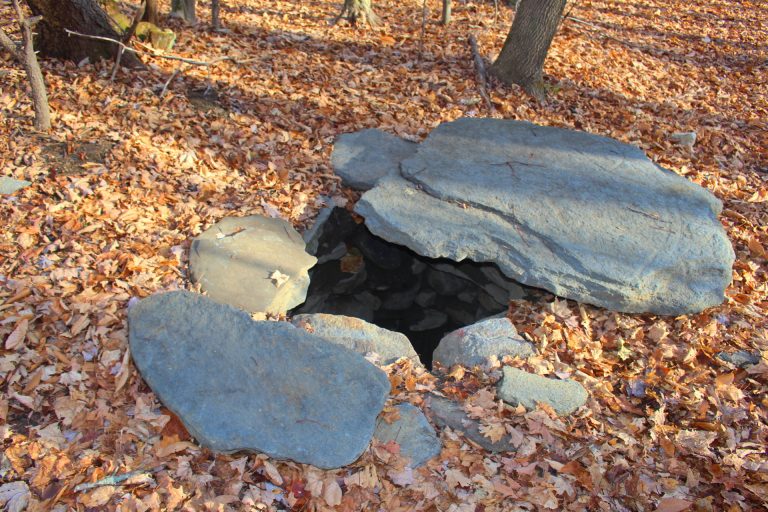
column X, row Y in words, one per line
column 237, row 384
column 519, row 387
column 235, row 261
column 358, row 335
column 582, row 216
column 474, row 344
column 416, row 437
column 361, row 158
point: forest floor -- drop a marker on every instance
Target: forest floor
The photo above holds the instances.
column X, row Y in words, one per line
column 128, row 177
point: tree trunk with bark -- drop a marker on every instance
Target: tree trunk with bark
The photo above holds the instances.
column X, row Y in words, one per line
column 184, row 9
column 215, row 21
column 521, row 60
column 25, row 54
column 358, row 11
column 151, row 13
column 84, row 16
column 446, row 19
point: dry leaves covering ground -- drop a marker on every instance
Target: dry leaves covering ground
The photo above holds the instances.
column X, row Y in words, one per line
column 128, row 177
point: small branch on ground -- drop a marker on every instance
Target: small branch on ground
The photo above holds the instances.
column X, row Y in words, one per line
column 147, row 51
column 482, row 77
column 127, row 37
column 25, row 54
column 118, row 479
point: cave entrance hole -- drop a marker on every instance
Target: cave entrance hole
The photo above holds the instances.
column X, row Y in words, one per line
column 361, row 275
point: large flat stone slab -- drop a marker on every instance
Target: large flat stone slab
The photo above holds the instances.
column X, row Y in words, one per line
column 269, row 387
column 362, row 158
column 583, row 216
column 254, row 263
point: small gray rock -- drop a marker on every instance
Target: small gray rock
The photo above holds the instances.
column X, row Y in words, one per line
column 235, row 261
column 358, row 335
column 10, row 185
column 269, row 387
column 430, row 319
column 740, row 358
column 474, row 344
column 519, row 387
column 416, row 437
column 447, row 413
column 361, row 158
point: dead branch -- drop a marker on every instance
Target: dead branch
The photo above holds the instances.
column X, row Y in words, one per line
column 157, row 54
column 482, row 78
column 127, row 37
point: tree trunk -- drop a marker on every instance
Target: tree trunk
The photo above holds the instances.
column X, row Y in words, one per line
column 25, row 54
column 521, row 60
column 215, row 15
column 361, row 11
column 446, row 12
column 84, row 16
column 151, row 14
column 184, row 9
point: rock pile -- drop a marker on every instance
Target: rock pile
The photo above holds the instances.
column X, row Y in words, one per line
column 363, row 276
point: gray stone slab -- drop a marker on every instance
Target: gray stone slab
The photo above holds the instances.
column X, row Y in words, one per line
column 519, row 387
column 235, row 261
column 361, row 158
column 416, row 437
column 474, row 344
column 447, row 413
column 10, row 185
column 582, row 216
column 358, row 335
column 269, row 387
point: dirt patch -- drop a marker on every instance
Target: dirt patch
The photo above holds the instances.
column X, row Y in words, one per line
column 69, row 158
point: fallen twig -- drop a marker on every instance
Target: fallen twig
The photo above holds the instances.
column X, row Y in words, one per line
column 127, row 37
column 116, row 479
column 482, row 79
column 158, row 54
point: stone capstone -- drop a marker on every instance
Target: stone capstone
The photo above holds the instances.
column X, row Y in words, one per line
column 361, row 158
column 416, row 437
column 358, row 335
column 522, row 388
column 447, row 413
column 474, row 344
column 254, row 263
column 582, row 216
column 237, row 384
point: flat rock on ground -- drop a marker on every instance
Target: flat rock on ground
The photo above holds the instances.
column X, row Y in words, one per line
column 582, row 216
column 358, row 335
column 474, row 344
column 362, row 158
column 11, row 185
column 447, row 413
column 416, row 437
column 519, row 387
column 237, row 384
column 254, row 263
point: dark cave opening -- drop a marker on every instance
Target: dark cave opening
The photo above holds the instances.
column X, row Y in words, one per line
column 361, row 275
